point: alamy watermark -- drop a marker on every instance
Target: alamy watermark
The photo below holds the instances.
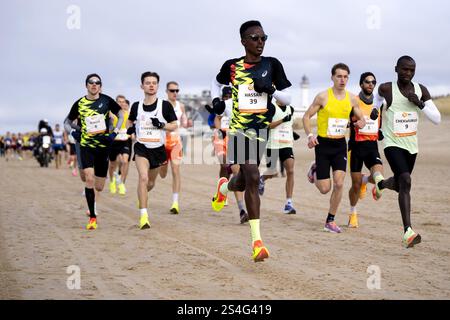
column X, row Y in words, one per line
column 373, row 21
column 73, row 21
column 374, row 280
column 74, row 280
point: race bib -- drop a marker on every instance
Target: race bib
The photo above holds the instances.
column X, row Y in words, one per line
column 225, row 123
column 122, row 135
column 371, row 127
column 147, row 132
column 58, row 141
column 251, row 101
column 405, row 123
column 336, row 127
column 46, row 140
column 95, row 124
column 283, row 133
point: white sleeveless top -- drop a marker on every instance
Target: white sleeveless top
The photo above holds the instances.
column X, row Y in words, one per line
column 146, row 133
column 58, row 137
column 281, row 136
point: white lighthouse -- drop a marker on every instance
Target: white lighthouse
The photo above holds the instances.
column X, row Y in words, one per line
column 304, row 85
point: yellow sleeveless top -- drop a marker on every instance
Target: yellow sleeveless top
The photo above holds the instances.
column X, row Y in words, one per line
column 122, row 136
column 332, row 119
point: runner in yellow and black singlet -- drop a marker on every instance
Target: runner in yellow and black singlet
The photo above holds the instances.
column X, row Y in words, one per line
column 255, row 80
column 92, row 112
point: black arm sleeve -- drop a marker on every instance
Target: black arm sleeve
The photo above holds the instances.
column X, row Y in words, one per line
column 133, row 112
column 224, row 76
column 73, row 114
column 279, row 76
column 168, row 112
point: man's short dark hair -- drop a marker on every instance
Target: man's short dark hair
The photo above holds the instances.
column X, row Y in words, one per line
column 405, row 58
column 149, row 74
column 247, row 25
column 172, row 82
column 89, row 76
column 341, row 66
column 365, row 75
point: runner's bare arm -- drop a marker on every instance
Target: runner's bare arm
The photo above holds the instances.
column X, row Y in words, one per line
column 319, row 102
column 183, row 120
column 171, row 126
column 361, row 122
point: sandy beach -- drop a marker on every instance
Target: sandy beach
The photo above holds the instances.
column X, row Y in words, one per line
column 201, row 254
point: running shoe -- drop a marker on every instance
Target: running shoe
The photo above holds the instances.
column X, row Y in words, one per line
column 175, row 209
column 218, row 201
column 143, row 222
column 260, row 252
column 376, row 192
column 243, row 216
column 74, row 172
column 261, row 186
column 332, row 227
column 353, row 220
column 410, row 238
column 289, row 209
column 92, row 225
column 112, row 186
column 122, row 189
column 311, row 172
column 363, row 189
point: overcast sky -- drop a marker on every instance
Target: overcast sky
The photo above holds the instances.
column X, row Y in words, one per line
column 47, row 48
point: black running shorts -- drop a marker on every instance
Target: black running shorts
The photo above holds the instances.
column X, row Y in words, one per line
column 330, row 153
column 365, row 152
column 97, row 158
column 400, row 160
column 282, row 154
column 119, row 147
column 156, row 156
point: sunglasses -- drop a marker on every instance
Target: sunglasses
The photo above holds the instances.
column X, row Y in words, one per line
column 255, row 37
column 374, row 82
column 174, row 90
column 95, row 82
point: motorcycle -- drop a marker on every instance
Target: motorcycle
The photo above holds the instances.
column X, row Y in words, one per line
column 44, row 151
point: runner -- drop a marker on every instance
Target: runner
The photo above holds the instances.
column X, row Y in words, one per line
column 120, row 151
column 95, row 140
column 9, row 147
column 404, row 99
column 333, row 109
column 58, row 145
column 363, row 147
column 280, row 147
column 220, row 142
column 255, row 81
column 174, row 147
column 153, row 118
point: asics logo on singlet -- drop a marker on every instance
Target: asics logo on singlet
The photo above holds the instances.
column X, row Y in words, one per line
column 101, row 105
column 345, row 158
column 264, row 74
column 378, row 159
